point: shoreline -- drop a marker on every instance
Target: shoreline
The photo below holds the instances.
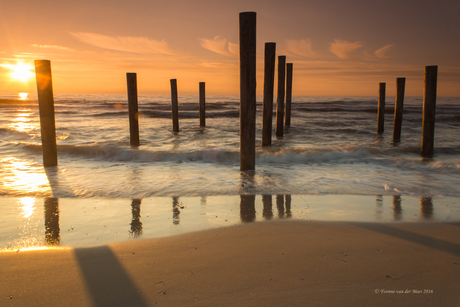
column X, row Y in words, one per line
column 29, row 222
column 284, row 262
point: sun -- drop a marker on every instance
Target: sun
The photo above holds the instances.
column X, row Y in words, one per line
column 21, row 71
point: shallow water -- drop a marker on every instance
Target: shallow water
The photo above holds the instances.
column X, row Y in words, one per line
column 331, row 152
column 330, row 148
column 75, row 222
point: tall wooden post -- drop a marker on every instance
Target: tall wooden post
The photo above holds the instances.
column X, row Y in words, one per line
column 247, row 90
column 202, row 106
column 269, row 83
column 287, row 118
column 131, row 80
column 381, row 108
column 429, row 110
column 280, row 99
column 400, row 86
column 174, row 105
column 46, row 110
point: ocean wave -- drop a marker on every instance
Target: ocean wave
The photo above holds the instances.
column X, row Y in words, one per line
column 400, row 157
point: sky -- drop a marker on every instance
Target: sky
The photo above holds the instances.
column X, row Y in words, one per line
column 338, row 48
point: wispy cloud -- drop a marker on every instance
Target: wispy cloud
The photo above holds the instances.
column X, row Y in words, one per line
column 382, row 52
column 132, row 44
column 52, row 47
column 219, row 45
column 233, row 48
column 343, row 49
column 300, row 47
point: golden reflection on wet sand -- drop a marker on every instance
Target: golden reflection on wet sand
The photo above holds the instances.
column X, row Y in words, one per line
column 38, row 230
column 27, row 205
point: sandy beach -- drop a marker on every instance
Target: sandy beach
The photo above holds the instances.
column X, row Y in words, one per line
column 276, row 263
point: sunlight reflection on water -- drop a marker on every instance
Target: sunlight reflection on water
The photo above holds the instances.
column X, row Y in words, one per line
column 22, row 176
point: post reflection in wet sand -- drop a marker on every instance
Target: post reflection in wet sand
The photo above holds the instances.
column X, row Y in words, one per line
column 176, row 211
column 52, row 230
column 136, row 224
column 280, row 205
column 247, row 208
column 426, row 207
column 267, row 212
column 288, row 205
column 397, row 210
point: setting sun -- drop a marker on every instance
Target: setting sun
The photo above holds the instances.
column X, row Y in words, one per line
column 21, row 71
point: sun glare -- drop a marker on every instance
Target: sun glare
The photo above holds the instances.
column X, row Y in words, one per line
column 20, row 72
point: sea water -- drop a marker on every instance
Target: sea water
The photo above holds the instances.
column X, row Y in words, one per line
column 330, row 149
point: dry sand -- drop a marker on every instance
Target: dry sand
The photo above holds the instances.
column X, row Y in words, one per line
column 276, row 263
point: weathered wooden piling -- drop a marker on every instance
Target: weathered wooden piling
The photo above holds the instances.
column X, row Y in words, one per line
column 174, row 105
column 399, row 104
column 381, row 108
column 287, row 117
column 247, row 38
column 131, row 80
column 269, row 84
column 281, row 91
column 46, row 110
column 202, row 106
column 429, row 110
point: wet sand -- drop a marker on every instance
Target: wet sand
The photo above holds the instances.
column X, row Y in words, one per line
column 277, row 263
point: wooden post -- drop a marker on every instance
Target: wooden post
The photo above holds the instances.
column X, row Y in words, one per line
column 381, row 108
column 429, row 110
column 131, row 80
column 46, row 110
column 269, row 83
column 400, row 86
column 174, row 104
column 202, row 105
column 287, row 119
column 280, row 100
column 247, row 90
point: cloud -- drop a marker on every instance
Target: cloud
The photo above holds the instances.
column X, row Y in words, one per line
column 301, row 48
column 52, row 47
column 219, row 46
column 234, row 48
column 382, row 52
column 124, row 43
column 343, row 49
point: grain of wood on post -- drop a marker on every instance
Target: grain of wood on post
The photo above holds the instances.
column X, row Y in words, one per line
column 429, row 110
column 381, row 108
column 399, row 105
column 174, row 105
column 280, row 100
column 202, row 107
column 269, row 84
column 46, row 110
column 131, row 80
column 287, row 117
column 247, row 36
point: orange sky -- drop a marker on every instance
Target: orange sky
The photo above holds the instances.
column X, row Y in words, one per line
column 337, row 47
